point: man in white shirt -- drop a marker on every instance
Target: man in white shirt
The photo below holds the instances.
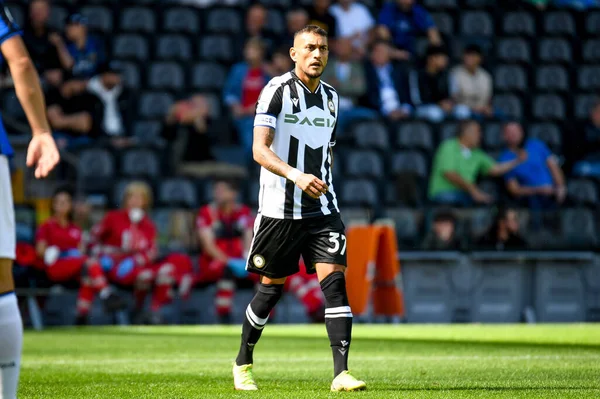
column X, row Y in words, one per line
column 354, row 21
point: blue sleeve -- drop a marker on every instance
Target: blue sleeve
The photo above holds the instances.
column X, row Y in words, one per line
column 505, row 157
column 543, row 149
column 8, row 28
column 423, row 19
column 232, row 91
column 386, row 15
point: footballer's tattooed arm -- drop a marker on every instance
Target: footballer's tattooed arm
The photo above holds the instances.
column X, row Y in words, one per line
column 263, row 138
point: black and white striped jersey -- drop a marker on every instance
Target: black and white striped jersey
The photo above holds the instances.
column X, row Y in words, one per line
column 304, row 124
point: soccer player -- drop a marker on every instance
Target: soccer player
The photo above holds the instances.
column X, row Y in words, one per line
column 294, row 130
column 42, row 154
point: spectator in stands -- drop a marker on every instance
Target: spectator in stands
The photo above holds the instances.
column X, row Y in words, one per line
column 471, row 84
column 386, row 84
column 319, row 14
column 87, row 52
column 60, row 249
column 354, row 21
column 442, row 236
column 538, row 181
column 296, row 19
column 348, row 78
column 401, row 21
column 242, row 88
column 457, row 164
column 125, row 243
column 117, row 103
column 281, row 62
column 256, row 28
column 430, row 89
column 46, row 46
column 504, row 233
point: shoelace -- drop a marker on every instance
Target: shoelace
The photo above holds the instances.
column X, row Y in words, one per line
column 248, row 376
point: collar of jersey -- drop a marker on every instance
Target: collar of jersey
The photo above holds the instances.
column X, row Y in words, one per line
column 296, row 78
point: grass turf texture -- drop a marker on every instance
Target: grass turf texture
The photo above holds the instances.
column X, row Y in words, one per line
column 400, row 361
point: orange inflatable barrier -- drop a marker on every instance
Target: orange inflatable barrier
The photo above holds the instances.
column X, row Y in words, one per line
column 372, row 269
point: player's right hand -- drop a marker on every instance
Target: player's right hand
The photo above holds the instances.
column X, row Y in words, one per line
column 312, row 185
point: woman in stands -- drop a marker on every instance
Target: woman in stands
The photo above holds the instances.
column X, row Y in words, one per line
column 59, row 247
column 125, row 243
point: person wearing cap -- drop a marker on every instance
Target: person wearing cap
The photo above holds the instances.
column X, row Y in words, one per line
column 87, row 51
column 471, row 84
column 430, row 89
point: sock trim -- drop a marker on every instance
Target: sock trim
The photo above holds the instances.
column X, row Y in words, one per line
column 336, row 316
column 339, row 309
column 255, row 321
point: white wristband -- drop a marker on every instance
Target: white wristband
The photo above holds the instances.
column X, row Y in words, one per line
column 293, row 175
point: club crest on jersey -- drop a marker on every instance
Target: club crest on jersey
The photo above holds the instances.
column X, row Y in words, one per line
column 330, row 105
column 258, row 261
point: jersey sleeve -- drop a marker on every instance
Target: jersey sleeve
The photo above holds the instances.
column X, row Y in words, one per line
column 8, row 28
column 42, row 233
column 269, row 105
column 203, row 220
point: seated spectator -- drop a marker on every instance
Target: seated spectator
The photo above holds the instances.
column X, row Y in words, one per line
column 504, row 233
column 46, row 47
column 472, row 85
column 457, row 164
column 256, row 28
column 442, row 236
column 538, row 181
column 583, row 147
column 117, row 102
column 354, row 21
column 430, row 89
column 386, row 84
column 296, row 19
column 242, row 88
column 348, row 78
column 319, row 14
column 125, row 243
column 87, row 52
column 401, row 21
column 61, row 253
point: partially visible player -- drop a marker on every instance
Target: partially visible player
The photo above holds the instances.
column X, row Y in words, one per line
column 42, row 154
column 294, row 130
column 61, row 252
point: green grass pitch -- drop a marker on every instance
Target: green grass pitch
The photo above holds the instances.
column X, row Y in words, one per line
column 399, row 361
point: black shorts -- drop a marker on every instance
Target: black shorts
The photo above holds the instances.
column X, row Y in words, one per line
column 278, row 244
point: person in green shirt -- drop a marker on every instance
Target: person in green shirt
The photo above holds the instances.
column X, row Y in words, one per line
column 457, row 164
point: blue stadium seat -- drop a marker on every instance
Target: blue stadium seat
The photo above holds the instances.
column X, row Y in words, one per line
column 415, row 135
column 138, row 19
column 182, row 20
column 99, row 18
column 173, row 47
column 208, row 76
column 510, row 78
column 559, row 23
column 518, row 23
column 130, row 46
column 549, row 107
column 154, row 105
column 552, row 78
column 364, row 164
column 178, row 192
column 166, row 75
column 140, row 162
column 588, row 78
column 224, row 20
column 582, row 192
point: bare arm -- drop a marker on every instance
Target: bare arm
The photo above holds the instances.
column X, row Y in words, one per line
column 504, row 167
column 459, row 182
column 434, row 36
column 40, row 248
column 556, row 172
column 207, row 243
column 516, row 190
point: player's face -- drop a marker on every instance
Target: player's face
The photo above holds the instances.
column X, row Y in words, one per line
column 62, row 204
column 136, row 200
column 310, row 53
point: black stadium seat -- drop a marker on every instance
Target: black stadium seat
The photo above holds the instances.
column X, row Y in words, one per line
column 582, row 192
column 138, row 19
column 275, row 22
column 217, row 48
column 584, row 104
column 173, row 47
column 148, row 131
column 555, row 50
column 359, row 192
column 549, row 133
column 444, row 22
column 476, row 23
column 131, row 46
column 588, row 78
column 549, row 107
column 140, row 162
column 415, row 135
column 592, row 24
column 178, row 192
column 154, row 105
column 130, row 73
column 96, row 170
column 513, row 50
column 519, row 23
column 371, row 134
column 409, row 162
column 591, row 51
column 492, row 136
column 364, row 164
column 510, row 78
column 510, row 104
column 58, row 16
column 552, row 78
column 17, row 13
column 578, row 228
column 181, row 20
column 208, row 76
column 99, row 18
column 406, row 224
column 559, row 23
column 224, row 20
column 440, row 4
column 166, row 75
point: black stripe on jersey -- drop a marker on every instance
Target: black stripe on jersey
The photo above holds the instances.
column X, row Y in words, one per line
column 327, row 180
column 314, row 100
column 276, row 102
column 313, row 159
column 288, row 206
column 294, row 96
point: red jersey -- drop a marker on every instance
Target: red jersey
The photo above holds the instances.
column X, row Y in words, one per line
column 228, row 229
column 54, row 234
column 252, row 85
column 117, row 235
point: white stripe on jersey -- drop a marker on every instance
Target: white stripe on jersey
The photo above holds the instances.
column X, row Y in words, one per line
column 304, row 124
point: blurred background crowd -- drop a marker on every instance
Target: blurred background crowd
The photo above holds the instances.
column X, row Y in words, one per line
column 469, row 123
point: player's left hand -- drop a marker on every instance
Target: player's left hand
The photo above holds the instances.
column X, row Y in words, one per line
column 42, row 153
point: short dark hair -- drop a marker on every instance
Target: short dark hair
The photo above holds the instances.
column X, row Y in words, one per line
column 312, row 29
column 473, row 49
column 435, row 49
column 444, row 215
column 233, row 184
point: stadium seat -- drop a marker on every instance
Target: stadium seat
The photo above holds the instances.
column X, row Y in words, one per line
column 476, row 23
column 166, row 75
column 406, row 223
column 371, row 134
column 138, row 19
column 491, row 188
column 208, row 76
column 364, row 164
column 591, row 51
column 513, row 50
column 148, row 132
column 444, row 23
column 555, row 50
column 216, row 48
column 480, row 3
column 359, row 192
column 140, row 162
column 58, row 17
column 96, row 170
column 592, row 24
column 440, row 4
column 549, row 107
column 578, row 228
column 234, row 155
column 178, row 192
column 588, row 78
column 275, row 22
column 584, row 104
column 519, row 23
column 131, row 46
column 99, row 18
column 510, row 104
column 181, row 20
column 409, row 161
column 549, row 133
column 355, row 215
column 559, row 23
column 25, row 219
column 510, row 78
column 223, row 20
column 214, row 104
column 492, row 136
column 448, row 130
column 17, row 13
column 173, row 47
column 478, row 220
column 582, row 192
column 552, row 78
column 154, row 105
column 415, row 135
